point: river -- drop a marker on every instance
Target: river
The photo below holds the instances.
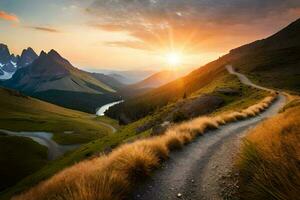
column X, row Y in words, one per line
column 102, row 109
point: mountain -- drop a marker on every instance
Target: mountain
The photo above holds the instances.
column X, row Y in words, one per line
column 129, row 76
column 53, row 78
column 108, row 80
column 150, row 82
column 273, row 62
column 27, row 57
column 122, row 79
column 9, row 63
column 4, row 54
column 156, row 80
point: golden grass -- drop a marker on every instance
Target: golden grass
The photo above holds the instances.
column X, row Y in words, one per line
column 111, row 177
column 269, row 161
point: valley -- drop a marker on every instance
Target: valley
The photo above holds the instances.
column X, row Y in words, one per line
column 68, row 133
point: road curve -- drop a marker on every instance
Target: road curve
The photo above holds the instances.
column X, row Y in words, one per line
column 245, row 80
column 113, row 129
column 54, row 150
column 195, row 172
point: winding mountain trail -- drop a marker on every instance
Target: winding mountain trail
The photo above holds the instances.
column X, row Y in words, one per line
column 200, row 169
column 245, row 80
column 113, row 129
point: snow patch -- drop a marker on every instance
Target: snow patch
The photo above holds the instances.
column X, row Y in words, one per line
column 14, row 64
column 6, row 75
column 1, row 65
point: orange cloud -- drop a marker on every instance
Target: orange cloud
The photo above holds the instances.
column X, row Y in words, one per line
column 191, row 26
column 9, row 17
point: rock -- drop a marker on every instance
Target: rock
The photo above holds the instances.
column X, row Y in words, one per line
column 197, row 106
column 179, row 195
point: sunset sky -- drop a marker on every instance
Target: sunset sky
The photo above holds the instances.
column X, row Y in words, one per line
column 138, row 34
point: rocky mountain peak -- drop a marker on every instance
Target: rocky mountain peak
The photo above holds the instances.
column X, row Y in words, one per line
column 4, row 54
column 27, row 57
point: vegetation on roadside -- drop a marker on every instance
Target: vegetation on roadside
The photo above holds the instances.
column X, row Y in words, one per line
column 20, row 157
column 293, row 103
column 269, row 161
column 112, row 176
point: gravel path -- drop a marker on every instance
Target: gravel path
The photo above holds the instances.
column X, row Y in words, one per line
column 199, row 171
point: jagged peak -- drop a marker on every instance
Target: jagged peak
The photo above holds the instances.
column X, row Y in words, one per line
column 52, row 52
column 28, row 50
column 43, row 53
column 3, row 45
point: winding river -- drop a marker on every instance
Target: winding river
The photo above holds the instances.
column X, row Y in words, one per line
column 45, row 138
column 102, row 109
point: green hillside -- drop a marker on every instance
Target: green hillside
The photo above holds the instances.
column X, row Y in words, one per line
column 19, row 157
column 274, row 61
column 22, row 113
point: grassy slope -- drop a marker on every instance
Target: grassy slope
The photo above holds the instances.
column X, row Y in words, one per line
column 12, row 168
column 21, row 113
column 269, row 162
column 274, row 61
column 247, row 96
column 273, row 68
column 111, row 177
column 86, row 151
column 140, row 106
column 129, row 133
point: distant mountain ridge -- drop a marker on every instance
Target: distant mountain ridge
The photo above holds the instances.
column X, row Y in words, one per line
column 153, row 81
column 127, row 77
column 156, row 80
column 52, row 78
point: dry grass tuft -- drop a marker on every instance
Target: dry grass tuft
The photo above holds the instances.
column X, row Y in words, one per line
column 269, row 162
column 111, row 177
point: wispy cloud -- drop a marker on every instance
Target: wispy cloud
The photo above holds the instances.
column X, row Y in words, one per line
column 9, row 17
column 191, row 24
column 130, row 44
column 45, row 29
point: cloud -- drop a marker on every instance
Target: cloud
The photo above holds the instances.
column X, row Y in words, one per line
column 190, row 24
column 45, row 29
column 130, row 44
column 9, row 17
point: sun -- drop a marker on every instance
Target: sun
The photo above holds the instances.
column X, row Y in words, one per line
column 173, row 59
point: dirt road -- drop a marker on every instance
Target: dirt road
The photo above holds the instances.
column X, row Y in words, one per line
column 199, row 170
